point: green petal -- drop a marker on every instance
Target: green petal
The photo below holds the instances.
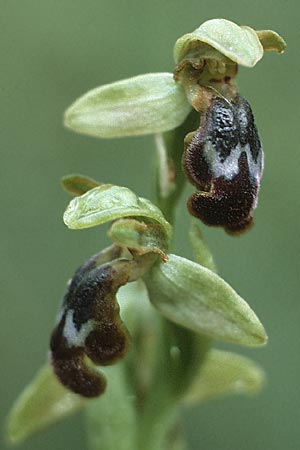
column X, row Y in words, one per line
column 225, row 373
column 202, row 254
column 43, row 402
column 77, row 184
column 138, row 236
column 239, row 44
column 271, row 40
column 196, row 298
column 145, row 104
column 108, row 202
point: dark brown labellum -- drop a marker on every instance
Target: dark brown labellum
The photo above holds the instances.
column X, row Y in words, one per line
column 224, row 160
column 89, row 325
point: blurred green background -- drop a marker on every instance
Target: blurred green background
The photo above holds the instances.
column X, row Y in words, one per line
column 54, row 51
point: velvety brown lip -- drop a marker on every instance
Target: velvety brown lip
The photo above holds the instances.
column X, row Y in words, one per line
column 225, row 201
column 91, row 300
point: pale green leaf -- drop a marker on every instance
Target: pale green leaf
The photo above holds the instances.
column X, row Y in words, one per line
column 77, row 184
column 225, row 373
column 141, row 237
column 271, row 40
column 239, row 44
column 43, row 402
column 198, row 299
column 108, row 202
column 145, row 104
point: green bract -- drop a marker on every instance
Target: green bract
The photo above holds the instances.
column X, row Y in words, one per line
column 108, row 202
column 202, row 254
column 239, row 44
column 43, row 402
column 225, row 373
column 145, row 104
column 198, row 299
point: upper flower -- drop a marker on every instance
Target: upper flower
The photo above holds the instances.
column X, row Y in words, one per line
column 223, row 158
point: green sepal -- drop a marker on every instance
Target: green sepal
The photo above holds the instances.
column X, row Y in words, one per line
column 109, row 202
column 76, row 184
column 239, row 44
column 196, row 298
column 270, row 40
column 145, row 104
column 139, row 236
column 43, row 402
column 202, row 254
column 224, row 373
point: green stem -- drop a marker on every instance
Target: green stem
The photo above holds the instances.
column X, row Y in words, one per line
column 180, row 352
column 111, row 418
column 170, row 180
column 179, row 355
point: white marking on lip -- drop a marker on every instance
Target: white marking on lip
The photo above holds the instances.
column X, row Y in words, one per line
column 229, row 168
column 74, row 337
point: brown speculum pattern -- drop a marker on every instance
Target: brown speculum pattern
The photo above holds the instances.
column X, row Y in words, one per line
column 224, row 160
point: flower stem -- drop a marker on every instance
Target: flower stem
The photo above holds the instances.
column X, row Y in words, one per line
column 111, row 419
column 180, row 352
